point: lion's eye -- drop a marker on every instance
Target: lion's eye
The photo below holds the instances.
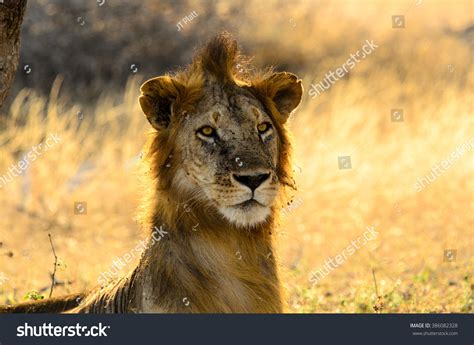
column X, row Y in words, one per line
column 263, row 127
column 207, row 131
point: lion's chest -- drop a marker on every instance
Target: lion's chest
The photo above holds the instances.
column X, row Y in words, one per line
column 212, row 277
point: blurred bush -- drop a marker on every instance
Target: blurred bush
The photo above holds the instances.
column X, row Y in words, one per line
column 93, row 47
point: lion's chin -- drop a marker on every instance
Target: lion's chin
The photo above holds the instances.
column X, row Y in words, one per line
column 247, row 214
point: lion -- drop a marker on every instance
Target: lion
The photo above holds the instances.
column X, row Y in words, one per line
column 219, row 161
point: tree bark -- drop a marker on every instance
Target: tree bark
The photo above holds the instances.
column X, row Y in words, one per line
column 11, row 17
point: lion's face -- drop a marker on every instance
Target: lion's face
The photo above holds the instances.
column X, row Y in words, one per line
column 222, row 145
column 228, row 149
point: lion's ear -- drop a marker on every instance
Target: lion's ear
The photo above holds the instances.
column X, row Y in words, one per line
column 157, row 99
column 284, row 91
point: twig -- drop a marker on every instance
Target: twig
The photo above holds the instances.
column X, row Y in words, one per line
column 375, row 282
column 379, row 303
column 53, row 276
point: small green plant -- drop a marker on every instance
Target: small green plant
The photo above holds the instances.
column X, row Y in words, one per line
column 424, row 276
column 33, row 295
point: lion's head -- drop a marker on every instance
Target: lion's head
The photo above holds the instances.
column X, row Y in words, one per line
column 220, row 137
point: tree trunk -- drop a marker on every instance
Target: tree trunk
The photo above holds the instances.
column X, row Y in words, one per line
column 11, row 17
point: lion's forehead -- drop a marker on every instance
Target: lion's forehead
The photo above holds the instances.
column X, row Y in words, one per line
column 234, row 102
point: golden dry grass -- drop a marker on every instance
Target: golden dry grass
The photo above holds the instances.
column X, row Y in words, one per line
column 426, row 69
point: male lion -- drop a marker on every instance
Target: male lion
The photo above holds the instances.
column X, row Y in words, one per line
column 219, row 159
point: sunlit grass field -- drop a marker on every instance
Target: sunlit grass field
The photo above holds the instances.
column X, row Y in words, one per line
column 422, row 258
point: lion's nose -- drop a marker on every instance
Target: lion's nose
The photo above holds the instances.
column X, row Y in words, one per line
column 251, row 181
